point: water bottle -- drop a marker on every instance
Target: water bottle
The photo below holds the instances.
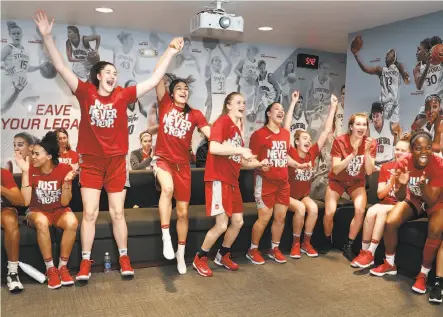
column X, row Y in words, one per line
column 107, row 263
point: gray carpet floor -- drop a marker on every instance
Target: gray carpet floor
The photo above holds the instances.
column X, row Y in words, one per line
column 324, row 286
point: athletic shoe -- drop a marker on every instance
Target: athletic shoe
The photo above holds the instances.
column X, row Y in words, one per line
column 65, row 277
column 125, row 266
column 363, row 260
column 420, row 283
column 326, row 247
column 435, row 296
column 54, row 281
column 277, row 256
column 255, row 257
column 295, row 251
column 85, row 270
column 309, row 250
column 384, row 269
column 226, row 261
column 13, row 282
column 201, row 265
column 348, row 253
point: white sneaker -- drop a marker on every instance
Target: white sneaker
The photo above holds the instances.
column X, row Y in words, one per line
column 13, row 282
column 181, row 264
column 168, row 250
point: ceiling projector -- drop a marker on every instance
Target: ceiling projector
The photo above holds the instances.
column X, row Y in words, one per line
column 216, row 23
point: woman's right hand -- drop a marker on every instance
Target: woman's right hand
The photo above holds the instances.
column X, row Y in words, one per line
column 176, row 44
column 403, row 177
column 247, row 154
column 43, row 24
column 295, row 96
column 23, row 164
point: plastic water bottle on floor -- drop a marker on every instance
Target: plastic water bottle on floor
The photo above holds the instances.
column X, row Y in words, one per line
column 107, row 263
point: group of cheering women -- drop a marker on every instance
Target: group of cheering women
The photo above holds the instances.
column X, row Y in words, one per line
column 408, row 187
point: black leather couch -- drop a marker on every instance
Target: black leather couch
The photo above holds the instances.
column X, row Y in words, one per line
column 145, row 244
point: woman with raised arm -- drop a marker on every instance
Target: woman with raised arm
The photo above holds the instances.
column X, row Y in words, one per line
column 103, row 140
column 223, row 197
column 300, row 179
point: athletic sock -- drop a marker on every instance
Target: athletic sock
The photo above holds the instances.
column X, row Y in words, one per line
column 253, row 246
column 202, row 253
column 390, row 258
column 365, row 245
column 296, row 237
column 307, row 237
column 86, row 255
column 224, row 250
column 180, row 255
column 62, row 262
column 12, row 267
column 168, row 250
column 424, row 270
column 373, row 246
column 123, row 252
column 49, row 263
column 275, row 245
column 165, row 232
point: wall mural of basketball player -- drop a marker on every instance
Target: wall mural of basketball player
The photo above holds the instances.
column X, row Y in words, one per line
column 247, row 74
column 385, row 132
column 287, row 83
column 389, row 76
column 80, row 53
column 14, row 68
column 433, row 125
column 216, row 75
column 339, row 114
column 299, row 120
column 427, row 77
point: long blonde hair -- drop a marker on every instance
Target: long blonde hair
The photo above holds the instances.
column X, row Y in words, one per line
column 225, row 109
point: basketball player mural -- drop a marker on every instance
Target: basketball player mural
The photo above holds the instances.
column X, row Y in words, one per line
column 386, row 134
column 299, row 120
column 287, row 82
column 14, row 69
column 247, row 74
column 215, row 76
column 390, row 77
column 80, row 53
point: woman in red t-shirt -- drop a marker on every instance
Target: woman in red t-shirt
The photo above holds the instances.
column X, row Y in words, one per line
column 223, row 197
column 353, row 157
column 103, row 141
column 10, row 197
column 300, row 180
column 171, row 162
column 376, row 215
column 47, row 190
column 67, row 156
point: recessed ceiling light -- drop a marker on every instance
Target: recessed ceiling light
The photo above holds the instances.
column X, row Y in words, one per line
column 265, row 28
column 104, row 10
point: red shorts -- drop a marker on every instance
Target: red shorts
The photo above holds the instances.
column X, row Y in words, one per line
column 437, row 206
column 348, row 187
column 268, row 194
column 97, row 172
column 222, row 198
column 53, row 216
column 181, row 177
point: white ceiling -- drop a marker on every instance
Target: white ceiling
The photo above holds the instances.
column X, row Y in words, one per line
column 322, row 25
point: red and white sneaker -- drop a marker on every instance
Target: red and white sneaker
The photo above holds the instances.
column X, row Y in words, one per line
column 277, row 256
column 85, row 270
column 53, row 278
column 309, row 250
column 363, row 260
column 420, row 283
column 384, row 269
column 125, row 266
column 295, row 251
column 226, row 261
column 65, row 277
column 201, row 265
column 255, row 257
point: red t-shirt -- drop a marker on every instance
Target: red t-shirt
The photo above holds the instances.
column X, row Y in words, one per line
column 384, row 177
column 432, row 174
column 47, row 188
column 272, row 146
column 69, row 157
column 355, row 170
column 103, row 129
column 175, row 131
column 9, row 183
column 224, row 168
column 299, row 179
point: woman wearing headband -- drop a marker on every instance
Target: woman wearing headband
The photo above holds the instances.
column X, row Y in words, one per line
column 141, row 158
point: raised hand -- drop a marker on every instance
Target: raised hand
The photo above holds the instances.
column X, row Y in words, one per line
column 334, row 101
column 43, row 24
column 295, row 96
column 177, row 44
column 403, row 177
column 422, row 180
column 22, row 163
column 20, row 83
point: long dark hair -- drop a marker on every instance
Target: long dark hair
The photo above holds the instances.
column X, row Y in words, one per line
column 95, row 70
column 62, row 130
column 50, row 144
column 172, row 85
column 268, row 108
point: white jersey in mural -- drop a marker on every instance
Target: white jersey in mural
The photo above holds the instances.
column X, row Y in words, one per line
column 321, row 92
column 433, row 83
column 80, row 52
column 385, row 142
column 125, row 64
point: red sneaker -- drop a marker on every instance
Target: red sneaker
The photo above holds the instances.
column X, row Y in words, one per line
column 363, row 260
column 255, row 256
column 384, row 269
column 277, row 256
column 309, row 250
column 125, row 266
column 295, row 251
column 201, row 265
column 65, row 277
column 420, row 283
column 85, row 270
column 53, row 278
column 226, row 261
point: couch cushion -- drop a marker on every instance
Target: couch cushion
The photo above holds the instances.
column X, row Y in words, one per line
column 414, row 233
